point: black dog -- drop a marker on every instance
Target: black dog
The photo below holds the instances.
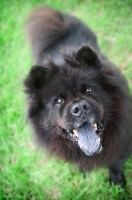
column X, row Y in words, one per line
column 78, row 101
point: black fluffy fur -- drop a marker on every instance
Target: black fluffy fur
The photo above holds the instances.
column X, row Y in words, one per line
column 67, row 62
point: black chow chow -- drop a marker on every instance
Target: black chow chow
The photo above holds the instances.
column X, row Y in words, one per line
column 78, row 101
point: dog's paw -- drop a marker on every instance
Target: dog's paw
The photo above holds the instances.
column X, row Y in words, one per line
column 117, row 179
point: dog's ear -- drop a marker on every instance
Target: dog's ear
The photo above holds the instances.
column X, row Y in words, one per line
column 87, row 56
column 37, row 78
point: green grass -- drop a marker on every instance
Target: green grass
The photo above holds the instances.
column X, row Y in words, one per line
column 25, row 172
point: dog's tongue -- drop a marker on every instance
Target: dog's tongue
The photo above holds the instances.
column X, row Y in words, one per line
column 88, row 140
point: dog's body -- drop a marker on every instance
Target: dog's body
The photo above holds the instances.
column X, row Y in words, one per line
column 78, row 102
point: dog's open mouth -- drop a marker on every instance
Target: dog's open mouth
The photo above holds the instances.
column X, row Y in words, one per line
column 88, row 137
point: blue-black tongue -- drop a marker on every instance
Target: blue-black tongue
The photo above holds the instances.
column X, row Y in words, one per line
column 88, row 140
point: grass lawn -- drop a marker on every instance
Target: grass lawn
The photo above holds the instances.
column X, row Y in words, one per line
column 25, row 172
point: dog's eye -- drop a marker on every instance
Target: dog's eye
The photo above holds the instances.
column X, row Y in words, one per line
column 89, row 90
column 59, row 101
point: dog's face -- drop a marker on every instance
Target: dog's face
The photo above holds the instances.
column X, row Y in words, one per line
column 69, row 101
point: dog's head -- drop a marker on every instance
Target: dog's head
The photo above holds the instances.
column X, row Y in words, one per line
column 70, row 100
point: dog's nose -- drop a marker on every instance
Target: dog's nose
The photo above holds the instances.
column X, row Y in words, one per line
column 80, row 108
